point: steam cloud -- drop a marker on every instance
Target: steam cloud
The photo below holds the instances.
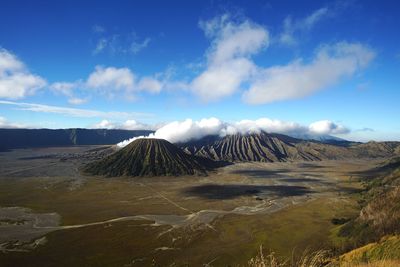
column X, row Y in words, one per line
column 187, row 130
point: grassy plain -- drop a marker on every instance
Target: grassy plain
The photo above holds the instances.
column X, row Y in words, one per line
column 220, row 219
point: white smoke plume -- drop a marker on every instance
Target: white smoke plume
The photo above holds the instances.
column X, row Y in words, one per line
column 187, row 130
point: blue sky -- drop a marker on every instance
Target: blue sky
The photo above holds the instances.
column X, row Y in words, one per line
column 131, row 64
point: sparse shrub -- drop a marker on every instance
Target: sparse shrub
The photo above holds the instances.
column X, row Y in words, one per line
column 339, row 221
column 318, row 258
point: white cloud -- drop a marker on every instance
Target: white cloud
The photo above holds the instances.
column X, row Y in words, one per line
column 298, row 79
column 69, row 90
column 104, row 124
column 187, row 130
column 230, row 67
column 9, row 62
column 228, row 59
column 16, row 81
column 265, row 124
column 150, row 85
column 73, row 112
column 64, row 88
column 110, row 77
column 4, row 123
column 314, row 17
column 110, row 82
column 291, row 28
column 127, row 125
column 327, row 127
column 222, row 80
column 134, row 125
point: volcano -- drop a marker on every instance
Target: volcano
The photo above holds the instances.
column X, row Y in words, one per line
column 150, row 157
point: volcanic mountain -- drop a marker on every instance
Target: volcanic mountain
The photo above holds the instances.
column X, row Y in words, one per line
column 269, row 147
column 150, row 157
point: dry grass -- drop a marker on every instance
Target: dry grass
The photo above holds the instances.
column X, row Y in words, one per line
column 315, row 259
column 318, row 258
column 381, row 263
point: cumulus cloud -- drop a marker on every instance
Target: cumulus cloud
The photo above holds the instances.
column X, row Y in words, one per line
column 230, row 67
column 127, row 125
column 263, row 124
column 104, row 124
column 187, row 130
column 16, row 81
column 298, row 79
column 105, row 78
column 110, row 82
column 183, row 131
column 327, row 127
column 228, row 59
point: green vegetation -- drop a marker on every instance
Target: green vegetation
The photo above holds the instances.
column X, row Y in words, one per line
column 380, row 213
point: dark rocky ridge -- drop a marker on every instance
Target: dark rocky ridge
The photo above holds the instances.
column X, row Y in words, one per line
column 150, row 157
column 267, row 147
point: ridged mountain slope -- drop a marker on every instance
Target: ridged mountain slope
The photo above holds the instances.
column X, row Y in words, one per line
column 149, row 157
column 268, row 147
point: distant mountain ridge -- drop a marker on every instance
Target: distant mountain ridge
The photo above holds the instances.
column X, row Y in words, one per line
column 29, row 138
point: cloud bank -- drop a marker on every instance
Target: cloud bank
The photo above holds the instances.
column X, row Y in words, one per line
column 187, row 130
column 298, row 79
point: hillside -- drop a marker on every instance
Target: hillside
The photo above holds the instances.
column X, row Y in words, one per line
column 380, row 213
column 373, row 235
column 268, row 147
column 29, row 138
column 149, row 157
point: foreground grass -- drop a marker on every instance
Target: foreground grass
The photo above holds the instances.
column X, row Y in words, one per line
column 385, row 253
column 315, row 259
column 388, row 248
